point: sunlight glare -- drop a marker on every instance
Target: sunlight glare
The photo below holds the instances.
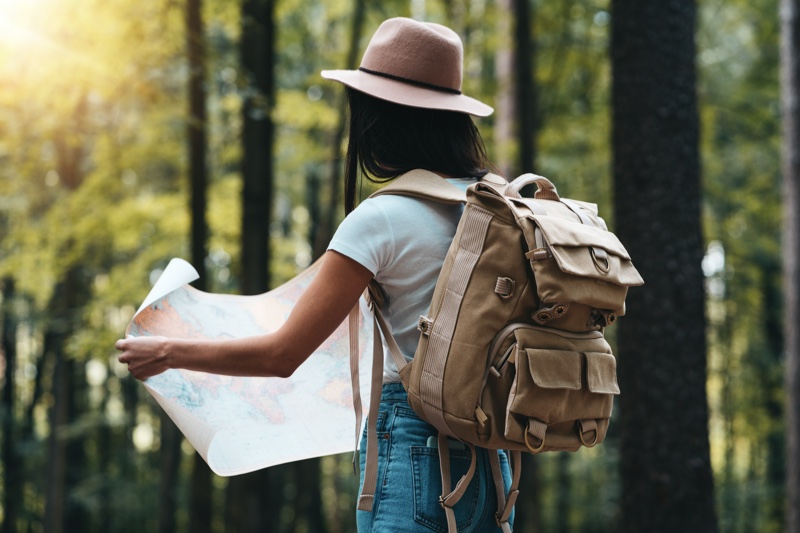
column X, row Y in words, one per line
column 32, row 33
column 15, row 18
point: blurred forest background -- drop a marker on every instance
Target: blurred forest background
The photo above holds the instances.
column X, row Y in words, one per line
column 134, row 132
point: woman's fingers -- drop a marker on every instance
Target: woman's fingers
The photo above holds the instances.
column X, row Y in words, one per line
column 145, row 356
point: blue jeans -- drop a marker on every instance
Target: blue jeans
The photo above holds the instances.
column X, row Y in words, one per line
column 409, row 483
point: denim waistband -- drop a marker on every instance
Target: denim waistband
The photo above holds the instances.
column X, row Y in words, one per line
column 393, row 392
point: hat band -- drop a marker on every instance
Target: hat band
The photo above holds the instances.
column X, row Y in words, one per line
column 410, row 81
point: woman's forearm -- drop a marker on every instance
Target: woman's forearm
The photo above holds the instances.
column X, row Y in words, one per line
column 250, row 356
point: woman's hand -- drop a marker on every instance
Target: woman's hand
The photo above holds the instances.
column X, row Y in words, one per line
column 145, row 356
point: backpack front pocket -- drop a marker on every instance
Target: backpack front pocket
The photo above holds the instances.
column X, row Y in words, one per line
column 561, row 398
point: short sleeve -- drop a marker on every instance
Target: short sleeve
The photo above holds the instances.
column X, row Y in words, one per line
column 366, row 237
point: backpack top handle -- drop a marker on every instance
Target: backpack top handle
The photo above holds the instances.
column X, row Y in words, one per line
column 546, row 190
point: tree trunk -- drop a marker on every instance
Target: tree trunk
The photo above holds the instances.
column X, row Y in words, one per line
column 667, row 482
column 257, row 53
column 506, row 104
column 56, row 457
column 130, row 400
column 106, row 448
column 525, row 89
column 12, row 467
column 197, row 136
column 250, row 505
column 200, row 487
column 515, row 128
column 326, row 229
column 66, row 456
column 314, row 190
column 169, row 466
column 308, row 508
column 790, row 85
column 76, row 515
column 772, row 292
column 563, row 498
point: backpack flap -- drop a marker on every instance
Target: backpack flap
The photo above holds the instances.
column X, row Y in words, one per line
column 575, row 262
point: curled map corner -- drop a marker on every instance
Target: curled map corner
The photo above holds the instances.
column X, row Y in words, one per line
column 242, row 424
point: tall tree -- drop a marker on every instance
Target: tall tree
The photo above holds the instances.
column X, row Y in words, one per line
column 328, row 223
column 200, row 486
column 667, row 481
column 525, row 85
column 12, row 467
column 790, row 85
column 251, row 499
column 505, row 103
column 258, row 64
column 515, row 127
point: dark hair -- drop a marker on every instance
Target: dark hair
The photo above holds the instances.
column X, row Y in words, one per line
column 388, row 139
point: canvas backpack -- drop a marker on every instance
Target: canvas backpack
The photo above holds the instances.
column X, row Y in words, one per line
column 512, row 353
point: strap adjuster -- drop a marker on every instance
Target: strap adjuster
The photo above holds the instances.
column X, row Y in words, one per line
column 425, row 325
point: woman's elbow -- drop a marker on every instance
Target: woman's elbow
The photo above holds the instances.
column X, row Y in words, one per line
column 283, row 371
column 284, row 367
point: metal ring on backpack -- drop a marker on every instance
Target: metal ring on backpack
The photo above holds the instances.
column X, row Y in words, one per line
column 528, row 444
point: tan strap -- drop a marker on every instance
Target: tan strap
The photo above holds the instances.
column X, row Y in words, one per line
column 499, row 484
column 504, row 287
column 538, row 429
column 474, row 227
column 525, row 209
column 379, row 326
column 391, row 343
column 367, row 496
column 426, row 185
column 599, row 256
column 449, row 499
column 586, row 426
column 355, row 381
column 506, row 504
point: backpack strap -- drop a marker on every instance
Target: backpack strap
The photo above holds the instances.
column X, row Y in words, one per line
column 379, row 326
column 449, row 498
column 505, row 504
column 427, row 185
column 355, row 380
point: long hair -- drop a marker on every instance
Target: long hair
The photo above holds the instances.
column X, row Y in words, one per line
column 388, row 139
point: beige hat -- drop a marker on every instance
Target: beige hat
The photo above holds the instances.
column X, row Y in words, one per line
column 413, row 63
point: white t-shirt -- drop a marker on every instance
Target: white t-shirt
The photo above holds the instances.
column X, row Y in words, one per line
column 403, row 242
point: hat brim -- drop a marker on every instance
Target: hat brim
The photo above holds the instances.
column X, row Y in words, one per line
column 407, row 94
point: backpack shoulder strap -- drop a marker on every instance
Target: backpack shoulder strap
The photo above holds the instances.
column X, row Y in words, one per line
column 425, row 184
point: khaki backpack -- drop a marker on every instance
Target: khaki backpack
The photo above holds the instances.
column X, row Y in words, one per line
column 511, row 354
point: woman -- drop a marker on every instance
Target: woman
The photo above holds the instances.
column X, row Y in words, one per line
column 406, row 112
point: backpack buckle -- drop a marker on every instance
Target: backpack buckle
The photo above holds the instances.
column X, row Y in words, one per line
column 538, row 429
column 425, row 325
